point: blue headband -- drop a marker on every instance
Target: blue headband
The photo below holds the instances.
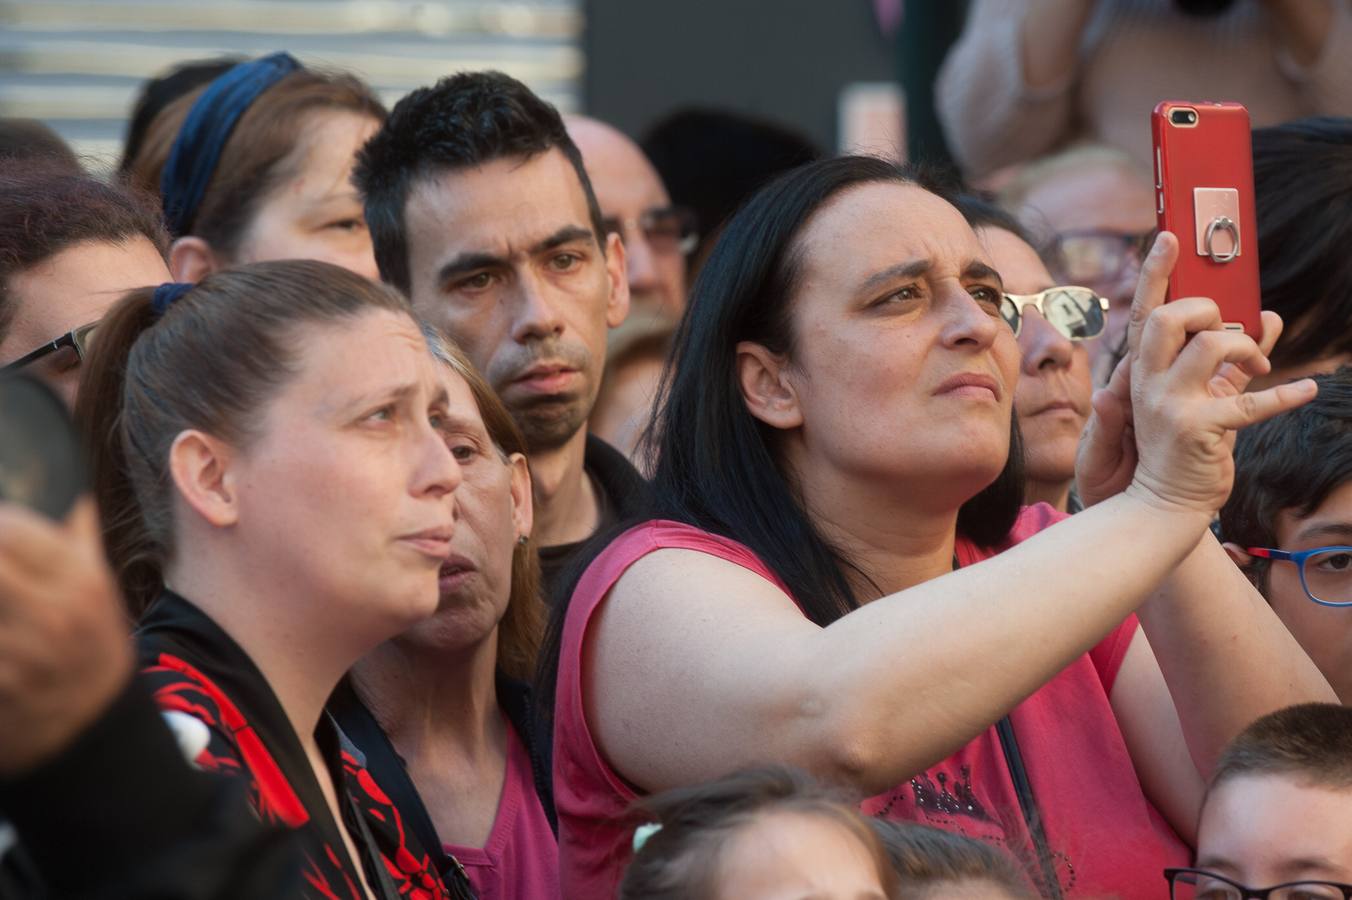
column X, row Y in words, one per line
column 166, row 295
column 197, row 148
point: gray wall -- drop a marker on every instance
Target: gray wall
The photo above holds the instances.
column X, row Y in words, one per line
column 781, row 59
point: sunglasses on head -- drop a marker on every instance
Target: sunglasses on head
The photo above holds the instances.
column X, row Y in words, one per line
column 1076, row 312
column 77, row 340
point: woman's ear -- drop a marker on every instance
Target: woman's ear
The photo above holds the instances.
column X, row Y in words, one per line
column 191, row 259
column 523, row 506
column 766, row 389
column 200, row 466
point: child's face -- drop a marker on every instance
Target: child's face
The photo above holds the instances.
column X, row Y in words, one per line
column 1325, row 633
column 1262, row 830
column 792, row 856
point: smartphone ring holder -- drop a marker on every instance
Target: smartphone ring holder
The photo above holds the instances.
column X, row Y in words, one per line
column 1227, row 225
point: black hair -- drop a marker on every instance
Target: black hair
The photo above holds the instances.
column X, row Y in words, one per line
column 1302, row 177
column 712, row 160
column 1290, row 462
column 29, row 139
column 45, row 208
column 462, row 121
column 981, row 212
column 160, row 91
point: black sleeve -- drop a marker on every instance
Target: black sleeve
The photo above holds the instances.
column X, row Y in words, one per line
column 120, row 814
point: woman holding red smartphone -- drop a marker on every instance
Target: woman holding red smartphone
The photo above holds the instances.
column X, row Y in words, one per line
column 838, row 574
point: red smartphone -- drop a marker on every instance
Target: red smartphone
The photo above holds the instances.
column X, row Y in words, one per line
column 1204, row 195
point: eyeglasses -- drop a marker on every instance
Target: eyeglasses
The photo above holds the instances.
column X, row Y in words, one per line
column 1199, row 884
column 77, row 340
column 1325, row 572
column 1076, row 312
column 668, row 229
column 1097, row 257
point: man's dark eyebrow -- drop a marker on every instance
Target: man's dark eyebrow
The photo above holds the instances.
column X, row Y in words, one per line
column 976, row 269
column 565, row 235
column 1326, row 530
column 468, row 262
column 473, row 262
column 912, row 269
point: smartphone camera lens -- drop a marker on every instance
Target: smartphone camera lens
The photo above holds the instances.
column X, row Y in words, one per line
column 1183, row 117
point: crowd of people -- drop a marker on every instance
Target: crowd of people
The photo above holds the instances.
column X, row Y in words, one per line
column 474, row 512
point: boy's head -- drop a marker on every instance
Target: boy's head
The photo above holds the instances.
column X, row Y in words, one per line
column 1293, row 492
column 1279, row 808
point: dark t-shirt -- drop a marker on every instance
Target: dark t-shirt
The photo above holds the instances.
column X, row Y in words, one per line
column 621, row 492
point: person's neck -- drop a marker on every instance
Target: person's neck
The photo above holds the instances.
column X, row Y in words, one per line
column 280, row 633
column 892, row 537
column 433, row 702
column 566, row 506
column 1055, row 494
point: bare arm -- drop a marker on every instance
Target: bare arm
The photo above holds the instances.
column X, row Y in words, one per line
column 694, row 665
column 1003, row 93
column 699, row 665
column 1213, row 656
column 1225, row 655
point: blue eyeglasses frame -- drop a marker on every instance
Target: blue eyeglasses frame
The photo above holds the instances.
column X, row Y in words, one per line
column 1298, row 557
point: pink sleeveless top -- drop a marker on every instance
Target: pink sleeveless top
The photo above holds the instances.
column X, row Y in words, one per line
column 1106, row 837
column 520, row 860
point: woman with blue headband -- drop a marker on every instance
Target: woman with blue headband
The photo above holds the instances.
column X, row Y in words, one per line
column 274, row 468
column 255, row 167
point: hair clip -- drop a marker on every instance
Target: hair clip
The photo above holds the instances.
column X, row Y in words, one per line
column 166, row 295
column 643, row 832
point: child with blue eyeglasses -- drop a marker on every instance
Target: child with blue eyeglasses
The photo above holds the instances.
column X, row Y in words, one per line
column 1288, row 522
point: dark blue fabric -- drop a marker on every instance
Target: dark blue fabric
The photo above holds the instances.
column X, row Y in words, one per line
column 166, row 294
column 197, row 148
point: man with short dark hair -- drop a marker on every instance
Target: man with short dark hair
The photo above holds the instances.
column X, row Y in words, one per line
column 481, row 211
column 1278, row 811
column 70, row 247
column 1288, row 522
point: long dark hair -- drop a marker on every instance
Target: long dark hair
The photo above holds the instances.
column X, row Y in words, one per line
column 716, row 465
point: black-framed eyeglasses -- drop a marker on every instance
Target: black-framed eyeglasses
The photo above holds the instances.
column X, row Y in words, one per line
column 1325, row 572
column 77, row 340
column 1097, row 256
column 667, row 229
column 1077, row 312
column 1199, row 884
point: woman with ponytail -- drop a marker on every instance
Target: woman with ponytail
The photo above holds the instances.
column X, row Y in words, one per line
column 254, row 166
column 270, row 460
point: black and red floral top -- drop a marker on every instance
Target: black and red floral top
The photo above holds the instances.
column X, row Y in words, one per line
column 197, row 670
